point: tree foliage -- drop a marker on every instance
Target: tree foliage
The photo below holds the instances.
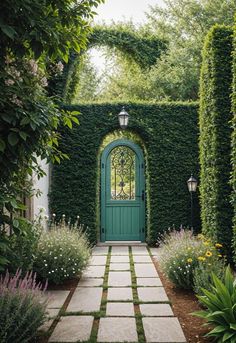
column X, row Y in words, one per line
column 175, row 75
column 35, row 37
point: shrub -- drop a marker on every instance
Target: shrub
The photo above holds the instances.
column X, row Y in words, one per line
column 182, row 253
column 215, row 135
column 22, row 247
column 202, row 276
column 62, row 253
column 221, row 309
column 22, row 308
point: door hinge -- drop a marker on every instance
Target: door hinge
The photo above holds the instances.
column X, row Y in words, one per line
column 143, row 230
column 103, row 230
column 142, row 165
column 102, row 165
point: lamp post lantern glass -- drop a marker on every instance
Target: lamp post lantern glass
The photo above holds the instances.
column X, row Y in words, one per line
column 192, row 184
column 192, row 187
column 123, row 118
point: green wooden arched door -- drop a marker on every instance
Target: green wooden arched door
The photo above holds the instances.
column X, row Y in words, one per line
column 122, row 192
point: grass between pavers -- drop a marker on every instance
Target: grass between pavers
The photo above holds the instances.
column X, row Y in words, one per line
column 138, row 316
column 102, row 312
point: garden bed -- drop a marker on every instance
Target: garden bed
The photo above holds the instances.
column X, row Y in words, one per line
column 183, row 304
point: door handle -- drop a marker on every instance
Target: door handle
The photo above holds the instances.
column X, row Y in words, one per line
column 141, row 196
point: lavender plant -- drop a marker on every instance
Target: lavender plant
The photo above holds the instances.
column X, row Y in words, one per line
column 62, row 253
column 22, row 307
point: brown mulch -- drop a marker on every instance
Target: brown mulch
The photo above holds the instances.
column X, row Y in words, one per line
column 183, row 304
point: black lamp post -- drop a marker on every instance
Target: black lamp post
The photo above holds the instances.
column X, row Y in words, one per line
column 123, row 117
column 192, row 187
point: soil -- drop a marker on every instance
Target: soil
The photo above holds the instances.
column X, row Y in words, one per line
column 183, row 304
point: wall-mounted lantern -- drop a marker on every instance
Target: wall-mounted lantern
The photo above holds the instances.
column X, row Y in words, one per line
column 123, row 117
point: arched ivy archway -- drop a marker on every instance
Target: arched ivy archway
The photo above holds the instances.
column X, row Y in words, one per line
column 142, row 49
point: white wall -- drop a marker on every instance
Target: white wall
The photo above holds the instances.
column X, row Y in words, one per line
column 43, row 185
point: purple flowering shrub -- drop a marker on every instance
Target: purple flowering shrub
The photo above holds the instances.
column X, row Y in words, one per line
column 22, row 307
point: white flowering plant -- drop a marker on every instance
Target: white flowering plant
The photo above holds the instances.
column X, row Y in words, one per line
column 182, row 253
column 62, row 253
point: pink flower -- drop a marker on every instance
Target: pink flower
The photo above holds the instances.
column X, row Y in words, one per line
column 9, row 82
column 44, row 82
column 16, row 101
column 33, row 66
column 60, row 67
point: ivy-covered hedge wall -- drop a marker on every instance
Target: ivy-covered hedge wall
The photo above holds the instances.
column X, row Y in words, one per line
column 170, row 134
column 233, row 155
column 215, row 135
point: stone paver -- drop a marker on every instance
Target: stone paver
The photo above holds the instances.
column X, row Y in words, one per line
column 72, row 329
column 119, row 279
column 156, row 252
column 140, row 251
column 85, row 300
column 98, row 260
column 152, row 294
column 119, row 259
column 100, row 251
column 119, row 323
column 142, row 259
column 145, row 270
column 51, row 315
column 56, row 298
column 120, row 251
column 120, row 309
column 117, row 330
column 90, row 282
column 119, row 266
column 94, row 271
column 156, row 310
column 124, row 294
column 149, row 282
column 163, row 330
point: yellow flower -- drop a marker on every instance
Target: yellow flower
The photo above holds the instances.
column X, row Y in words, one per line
column 189, row 260
column 208, row 253
column 189, row 248
column 206, row 243
column 200, row 236
column 201, row 258
column 219, row 255
column 218, row 245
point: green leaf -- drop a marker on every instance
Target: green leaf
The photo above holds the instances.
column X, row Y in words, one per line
column 8, row 30
column 75, row 120
column 229, row 280
column 2, row 145
column 233, row 326
column 200, row 314
column 23, row 135
column 228, row 335
column 13, row 138
column 218, row 329
column 16, row 223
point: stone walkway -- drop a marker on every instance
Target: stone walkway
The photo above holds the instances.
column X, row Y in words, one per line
column 119, row 298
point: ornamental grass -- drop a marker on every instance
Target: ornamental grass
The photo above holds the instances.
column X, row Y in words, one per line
column 183, row 253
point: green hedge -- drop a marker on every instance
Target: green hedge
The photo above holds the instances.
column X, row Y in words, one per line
column 215, row 135
column 170, row 134
column 233, row 156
